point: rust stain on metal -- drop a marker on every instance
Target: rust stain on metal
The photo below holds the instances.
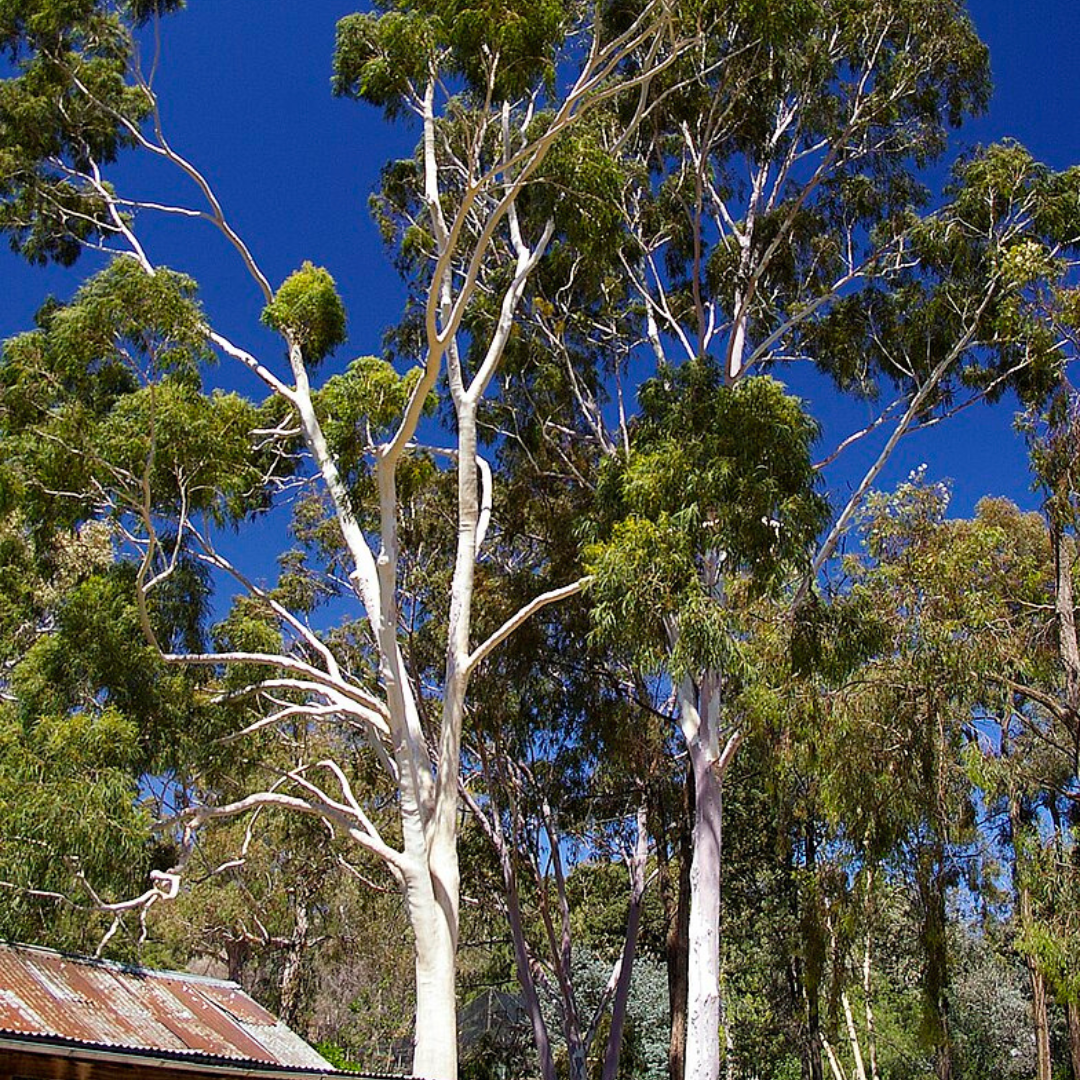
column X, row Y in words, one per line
column 219, row 1027
column 47, row 993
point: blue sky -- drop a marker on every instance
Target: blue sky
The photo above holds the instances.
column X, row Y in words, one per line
column 245, row 92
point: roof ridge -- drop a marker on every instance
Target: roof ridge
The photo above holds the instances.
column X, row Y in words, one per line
column 122, row 966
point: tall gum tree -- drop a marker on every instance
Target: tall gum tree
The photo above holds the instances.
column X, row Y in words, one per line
column 773, row 214
column 494, row 92
column 494, row 88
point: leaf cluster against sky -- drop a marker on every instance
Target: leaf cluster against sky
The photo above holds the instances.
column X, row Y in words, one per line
column 295, row 166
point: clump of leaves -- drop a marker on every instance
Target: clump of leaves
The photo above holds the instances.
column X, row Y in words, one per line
column 717, row 476
column 308, row 311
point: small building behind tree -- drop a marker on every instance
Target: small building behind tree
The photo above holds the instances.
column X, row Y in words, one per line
column 65, row 1017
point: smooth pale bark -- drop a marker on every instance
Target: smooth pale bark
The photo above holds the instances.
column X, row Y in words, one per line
column 427, row 777
column 703, row 981
column 467, row 231
column 1068, row 644
column 871, row 1031
column 699, row 717
column 428, row 873
column 853, row 1036
column 435, row 1049
column 435, row 944
column 834, row 1061
column 427, row 865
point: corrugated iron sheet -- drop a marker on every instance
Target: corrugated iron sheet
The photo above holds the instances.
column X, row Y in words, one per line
column 103, row 1004
column 282, row 1041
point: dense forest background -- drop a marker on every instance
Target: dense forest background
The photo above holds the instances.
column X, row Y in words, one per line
column 574, row 673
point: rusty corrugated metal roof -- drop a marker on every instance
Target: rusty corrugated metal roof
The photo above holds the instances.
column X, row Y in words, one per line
column 103, row 1004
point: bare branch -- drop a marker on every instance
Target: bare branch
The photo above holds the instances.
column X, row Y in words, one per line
column 516, row 620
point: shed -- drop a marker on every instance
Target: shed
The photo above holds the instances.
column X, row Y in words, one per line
column 65, row 1017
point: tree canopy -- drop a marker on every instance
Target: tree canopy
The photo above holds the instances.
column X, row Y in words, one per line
column 563, row 636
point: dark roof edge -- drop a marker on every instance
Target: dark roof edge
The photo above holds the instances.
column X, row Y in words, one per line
column 198, row 1064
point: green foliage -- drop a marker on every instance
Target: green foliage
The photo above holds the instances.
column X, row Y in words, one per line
column 69, row 806
column 89, row 712
column 645, row 1046
column 831, row 640
column 361, row 407
column 337, row 1056
column 105, row 396
column 698, row 525
column 581, row 187
column 124, row 314
column 991, row 1015
column 377, row 58
column 718, row 486
column 57, row 49
column 142, row 11
column 993, row 258
column 387, row 56
column 1054, row 452
column 308, row 311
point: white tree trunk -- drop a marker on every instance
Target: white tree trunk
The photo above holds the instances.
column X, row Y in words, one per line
column 871, row 1029
column 834, row 1061
column 853, row 1037
column 700, row 721
column 435, row 1048
column 703, row 991
column 426, row 776
column 434, row 925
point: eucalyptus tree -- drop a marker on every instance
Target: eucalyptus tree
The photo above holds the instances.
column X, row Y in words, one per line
column 966, row 686
column 85, row 712
column 532, row 842
column 904, row 719
column 690, row 518
column 961, row 314
column 552, row 804
column 767, row 214
column 1037, row 772
column 660, row 246
column 494, row 91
